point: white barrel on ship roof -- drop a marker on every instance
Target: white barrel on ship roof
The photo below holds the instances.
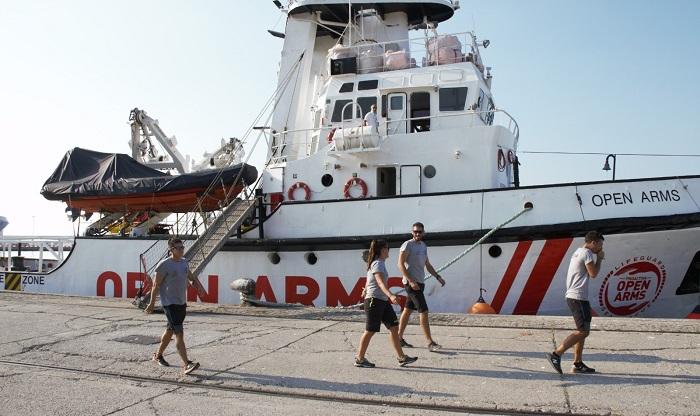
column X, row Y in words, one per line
column 371, row 57
column 340, row 52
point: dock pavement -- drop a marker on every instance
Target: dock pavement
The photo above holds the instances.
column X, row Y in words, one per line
column 67, row 355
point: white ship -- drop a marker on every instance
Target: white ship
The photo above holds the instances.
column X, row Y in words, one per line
column 443, row 153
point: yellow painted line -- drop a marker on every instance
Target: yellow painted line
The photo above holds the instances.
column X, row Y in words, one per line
column 13, row 281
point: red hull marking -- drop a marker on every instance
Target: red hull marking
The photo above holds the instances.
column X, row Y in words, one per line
column 210, row 296
column 292, row 295
column 694, row 315
column 541, row 276
column 134, row 279
column 336, row 294
column 509, row 276
column 263, row 289
column 116, row 282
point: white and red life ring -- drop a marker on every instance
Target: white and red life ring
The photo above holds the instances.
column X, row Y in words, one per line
column 302, row 185
column 329, row 137
column 351, row 183
column 501, row 160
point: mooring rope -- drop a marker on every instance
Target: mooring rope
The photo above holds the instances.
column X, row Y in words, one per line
column 528, row 206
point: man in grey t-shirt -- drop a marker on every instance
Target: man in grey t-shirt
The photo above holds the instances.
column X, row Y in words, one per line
column 585, row 265
column 413, row 260
column 172, row 277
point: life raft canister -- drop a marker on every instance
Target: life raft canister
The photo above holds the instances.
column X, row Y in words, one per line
column 352, row 182
column 302, row 185
column 501, row 158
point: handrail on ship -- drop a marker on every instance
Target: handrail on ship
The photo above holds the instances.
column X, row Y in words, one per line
column 422, row 51
column 512, row 126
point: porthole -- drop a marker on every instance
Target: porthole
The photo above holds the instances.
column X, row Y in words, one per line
column 495, row 251
column 274, row 258
column 311, row 258
column 429, row 171
column 327, row 180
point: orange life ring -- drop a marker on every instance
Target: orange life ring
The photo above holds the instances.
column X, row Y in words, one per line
column 352, row 182
column 329, row 138
column 302, row 185
column 501, row 160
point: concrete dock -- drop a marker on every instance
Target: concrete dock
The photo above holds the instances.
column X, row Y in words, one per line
column 64, row 355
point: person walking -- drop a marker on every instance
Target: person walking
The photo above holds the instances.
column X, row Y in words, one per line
column 413, row 260
column 172, row 276
column 583, row 267
column 378, row 307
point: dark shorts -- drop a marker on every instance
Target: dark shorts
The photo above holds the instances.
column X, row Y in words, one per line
column 379, row 311
column 416, row 298
column 581, row 310
column 176, row 316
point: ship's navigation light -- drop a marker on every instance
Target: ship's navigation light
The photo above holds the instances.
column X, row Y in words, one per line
column 486, row 43
column 278, row 4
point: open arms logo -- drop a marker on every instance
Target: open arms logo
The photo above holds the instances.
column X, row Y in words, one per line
column 632, row 286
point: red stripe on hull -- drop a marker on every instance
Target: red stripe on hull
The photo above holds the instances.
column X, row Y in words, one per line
column 694, row 315
column 541, row 277
column 509, row 276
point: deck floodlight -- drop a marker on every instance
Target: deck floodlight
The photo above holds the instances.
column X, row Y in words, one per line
column 277, row 3
column 486, row 43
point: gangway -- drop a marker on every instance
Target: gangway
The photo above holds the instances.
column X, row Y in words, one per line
column 218, row 232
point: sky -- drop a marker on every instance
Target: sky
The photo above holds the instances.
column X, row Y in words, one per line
column 596, row 76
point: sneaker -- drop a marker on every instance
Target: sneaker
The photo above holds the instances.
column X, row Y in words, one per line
column 407, row 360
column 555, row 361
column 582, row 368
column 364, row 363
column 434, row 347
column 190, row 367
column 160, row 360
column 405, row 344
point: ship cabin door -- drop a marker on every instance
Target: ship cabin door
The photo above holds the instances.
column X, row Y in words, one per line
column 386, row 181
column 396, row 113
column 410, row 179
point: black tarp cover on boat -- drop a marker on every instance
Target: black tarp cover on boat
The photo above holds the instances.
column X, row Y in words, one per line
column 88, row 173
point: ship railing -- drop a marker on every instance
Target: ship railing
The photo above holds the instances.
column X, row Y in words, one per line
column 417, row 52
column 305, row 142
column 52, row 248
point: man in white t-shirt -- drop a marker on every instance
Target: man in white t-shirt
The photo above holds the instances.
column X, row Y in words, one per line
column 372, row 120
column 584, row 265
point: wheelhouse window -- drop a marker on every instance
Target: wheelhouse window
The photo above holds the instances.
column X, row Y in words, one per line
column 338, row 108
column 365, row 103
column 453, row 99
column 420, row 111
column 347, row 87
column 368, row 85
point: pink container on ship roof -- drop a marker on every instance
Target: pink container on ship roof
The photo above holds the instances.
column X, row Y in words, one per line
column 444, row 50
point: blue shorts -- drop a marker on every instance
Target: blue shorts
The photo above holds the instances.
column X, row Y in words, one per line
column 176, row 316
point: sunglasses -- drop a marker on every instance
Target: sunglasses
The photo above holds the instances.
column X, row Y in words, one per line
column 417, row 231
column 178, row 247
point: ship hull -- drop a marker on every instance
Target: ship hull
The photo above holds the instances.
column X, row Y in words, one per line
column 312, row 252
